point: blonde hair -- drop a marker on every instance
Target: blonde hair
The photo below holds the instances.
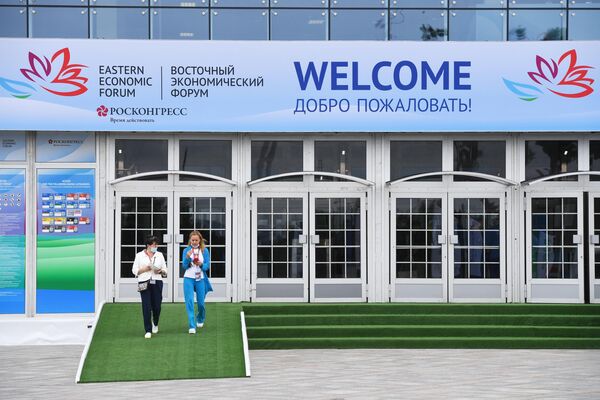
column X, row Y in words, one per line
column 196, row 233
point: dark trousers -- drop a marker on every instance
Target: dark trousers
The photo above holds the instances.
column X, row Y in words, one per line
column 151, row 302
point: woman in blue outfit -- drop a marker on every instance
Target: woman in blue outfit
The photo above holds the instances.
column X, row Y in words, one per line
column 196, row 264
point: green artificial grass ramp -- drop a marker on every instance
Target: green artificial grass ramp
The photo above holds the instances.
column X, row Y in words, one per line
column 119, row 352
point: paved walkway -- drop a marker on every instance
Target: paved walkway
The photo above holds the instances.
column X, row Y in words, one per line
column 48, row 372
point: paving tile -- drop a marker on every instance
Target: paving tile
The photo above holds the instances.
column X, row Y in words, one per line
column 48, row 372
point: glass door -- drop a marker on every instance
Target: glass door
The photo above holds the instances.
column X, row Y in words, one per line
column 418, row 245
column 308, row 247
column 477, row 259
column 211, row 216
column 139, row 215
column 555, row 247
column 279, row 247
column 448, row 247
column 594, row 249
column 337, row 247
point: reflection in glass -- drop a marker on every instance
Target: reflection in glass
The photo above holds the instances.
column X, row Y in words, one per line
column 271, row 157
column 244, row 24
column 298, row 25
column 477, row 25
column 119, row 23
column 584, row 4
column 240, row 3
column 179, row 3
column 58, row 22
column 477, row 253
column 477, row 4
column 583, row 25
column 14, row 22
column 299, row 3
column 537, row 25
column 338, row 219
column 418, row 3
column 207, row 156
column 133, row 156
column 179, row 24
column 132, row 3
column 554, row 255
column 486, row 157
column 545, row 157
column 278, row 242
column 359, row 3
column 140, row 218
column 409, row 158
column 342, row 157
column 372, row 23
column 537, row 4
column 425, row 25
column 595, row 158
column 417, row 224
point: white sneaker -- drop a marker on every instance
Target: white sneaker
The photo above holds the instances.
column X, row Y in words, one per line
column 199, row 324
column 154, row 328
column 148, row 335
column 192, row 331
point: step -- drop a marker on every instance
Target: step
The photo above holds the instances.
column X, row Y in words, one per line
column 420, row 319
column 413, row 308
column 424, row 343
column 419, row 331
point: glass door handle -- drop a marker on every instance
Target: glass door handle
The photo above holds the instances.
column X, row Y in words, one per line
column 178, row 238
column 167, row 238
column 441, row 239
column 453, row 239
column 315, row 239
column 577, row 239
column 594, row 239
column 303, row 239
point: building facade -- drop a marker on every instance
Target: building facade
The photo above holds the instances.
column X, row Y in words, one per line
column 470, row 199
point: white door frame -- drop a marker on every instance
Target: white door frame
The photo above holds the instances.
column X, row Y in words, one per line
column 273, row 286
column 593, row 246
column 474, row 287
column 126, row 288
column 419, row 289
column 555, row 285
column 338, row 284
column 446, row 285
column 221, row 286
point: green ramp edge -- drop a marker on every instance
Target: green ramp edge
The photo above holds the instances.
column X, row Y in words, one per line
column 119, row 351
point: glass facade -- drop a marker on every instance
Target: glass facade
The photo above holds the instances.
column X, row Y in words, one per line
column 456, row 20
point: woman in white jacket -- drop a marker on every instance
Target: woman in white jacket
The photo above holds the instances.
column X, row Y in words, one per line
column 150, row 268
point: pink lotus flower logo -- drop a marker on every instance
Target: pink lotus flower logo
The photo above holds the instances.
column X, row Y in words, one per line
column 564, row 78
column 55, row 75
column 102, row 111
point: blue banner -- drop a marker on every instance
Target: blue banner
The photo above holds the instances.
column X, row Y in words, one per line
column 191, row 86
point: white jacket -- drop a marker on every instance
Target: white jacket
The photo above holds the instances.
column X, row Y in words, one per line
column 142, row 259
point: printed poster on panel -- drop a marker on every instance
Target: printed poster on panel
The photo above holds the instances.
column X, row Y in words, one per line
column 65, row 241
column 12, row 241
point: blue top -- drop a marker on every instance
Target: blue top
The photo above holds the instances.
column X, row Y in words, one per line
column 187, row 261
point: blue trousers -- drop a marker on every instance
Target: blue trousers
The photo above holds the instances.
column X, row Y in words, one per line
column 189, row 287
column 151, row 303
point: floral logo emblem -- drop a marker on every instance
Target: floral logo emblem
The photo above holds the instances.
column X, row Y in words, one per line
column 102, row 111
column 564, row 78
column 55, row 75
